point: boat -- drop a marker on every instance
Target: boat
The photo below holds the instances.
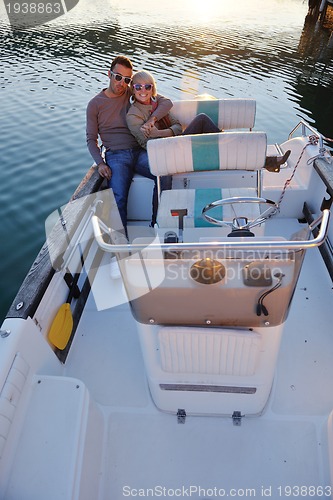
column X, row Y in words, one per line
column 193, row 359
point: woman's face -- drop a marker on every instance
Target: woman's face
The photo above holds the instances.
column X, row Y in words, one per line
column 143, row 91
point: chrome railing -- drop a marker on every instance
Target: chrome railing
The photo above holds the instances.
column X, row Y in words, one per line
column 305, row 127
column 227, row 244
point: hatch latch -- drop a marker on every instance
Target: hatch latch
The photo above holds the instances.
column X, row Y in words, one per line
column 181, row 416
column 237, row 418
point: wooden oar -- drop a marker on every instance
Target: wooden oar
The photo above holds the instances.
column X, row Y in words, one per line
column 62, row 325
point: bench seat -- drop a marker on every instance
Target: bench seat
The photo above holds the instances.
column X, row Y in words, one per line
column 194, row 200
column 224, row 151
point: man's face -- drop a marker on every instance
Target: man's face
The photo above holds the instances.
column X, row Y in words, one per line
column 116, row 86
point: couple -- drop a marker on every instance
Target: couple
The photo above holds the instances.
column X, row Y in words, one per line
column 125, row 116
column 106, row 118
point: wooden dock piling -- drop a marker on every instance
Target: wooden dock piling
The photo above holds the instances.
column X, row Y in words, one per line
column 318, row 8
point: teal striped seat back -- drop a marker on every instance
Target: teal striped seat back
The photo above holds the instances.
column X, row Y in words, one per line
column 207, row 152
column 227, row 114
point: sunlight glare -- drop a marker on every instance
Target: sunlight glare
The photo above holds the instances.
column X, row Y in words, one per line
column 207, row 10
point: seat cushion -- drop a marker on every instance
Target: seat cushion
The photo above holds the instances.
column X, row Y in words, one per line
column 194, row 200
column 207, row 152
column 227, row 114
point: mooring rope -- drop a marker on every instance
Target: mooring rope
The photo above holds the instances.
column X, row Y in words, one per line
column 313, row 141
column 327, row 139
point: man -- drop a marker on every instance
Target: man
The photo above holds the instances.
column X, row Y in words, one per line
column 106, row 118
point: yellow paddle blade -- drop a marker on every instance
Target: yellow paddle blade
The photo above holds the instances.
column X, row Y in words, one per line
column 61, row 327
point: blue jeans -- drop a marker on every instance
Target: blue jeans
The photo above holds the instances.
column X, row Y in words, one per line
column 124, row 163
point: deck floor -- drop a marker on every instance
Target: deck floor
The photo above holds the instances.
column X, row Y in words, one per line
column 148, row 450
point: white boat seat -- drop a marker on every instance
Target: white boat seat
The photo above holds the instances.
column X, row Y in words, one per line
column 206, row 153
column 194, row 200
column 227, row 114
column 210, row 370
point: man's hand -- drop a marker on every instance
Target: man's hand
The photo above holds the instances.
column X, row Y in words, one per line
column 104, row 171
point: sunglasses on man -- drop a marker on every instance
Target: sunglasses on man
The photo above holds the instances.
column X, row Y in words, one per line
column 119, row 78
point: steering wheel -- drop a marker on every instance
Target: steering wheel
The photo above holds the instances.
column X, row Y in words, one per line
column 241, row 222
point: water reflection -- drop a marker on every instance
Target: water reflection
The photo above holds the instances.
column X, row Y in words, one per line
column 315, row 82
column 316, row 42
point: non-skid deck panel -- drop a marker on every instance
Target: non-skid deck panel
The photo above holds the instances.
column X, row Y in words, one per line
column 112, row 369
column 304, row 373
column 305, row 369
column 52, row 436
column 209, row 453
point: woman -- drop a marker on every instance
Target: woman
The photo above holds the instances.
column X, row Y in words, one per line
column 144, row 101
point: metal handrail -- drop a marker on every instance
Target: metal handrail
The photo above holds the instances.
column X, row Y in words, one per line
column 100, row 228
column 305, row 126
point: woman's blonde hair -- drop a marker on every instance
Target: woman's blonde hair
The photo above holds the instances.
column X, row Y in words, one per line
column 146, row 77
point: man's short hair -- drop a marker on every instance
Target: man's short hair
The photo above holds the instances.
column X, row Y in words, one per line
column 123, row 60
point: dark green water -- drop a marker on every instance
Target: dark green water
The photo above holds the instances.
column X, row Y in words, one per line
column 263, row 49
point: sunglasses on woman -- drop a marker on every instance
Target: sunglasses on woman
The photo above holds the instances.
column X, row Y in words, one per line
column 119, row 78
column 138, row 86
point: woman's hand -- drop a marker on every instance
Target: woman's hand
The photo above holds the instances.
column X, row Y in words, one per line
column 155, row 132
column 147, row 127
